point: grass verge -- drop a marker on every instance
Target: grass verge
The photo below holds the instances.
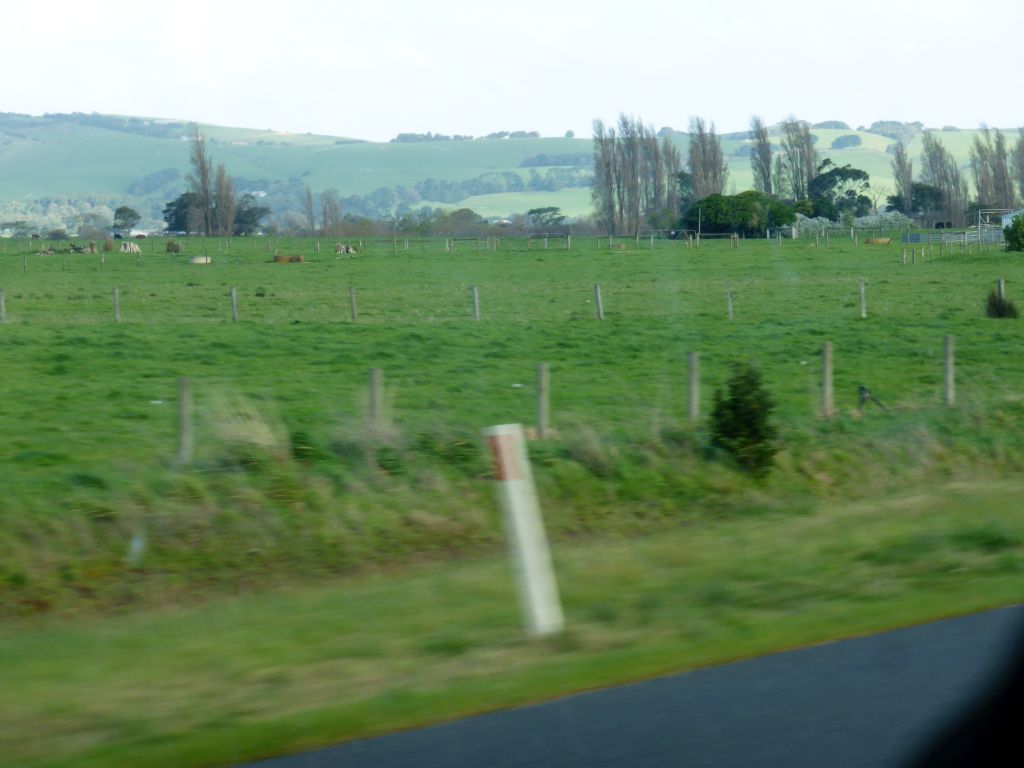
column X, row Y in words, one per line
column 305, row 665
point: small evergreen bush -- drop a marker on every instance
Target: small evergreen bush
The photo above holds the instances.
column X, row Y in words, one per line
column 741, row 420
column 1014, row 234
column 997, row 306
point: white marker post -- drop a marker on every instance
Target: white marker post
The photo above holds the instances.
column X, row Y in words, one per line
column 528, row 544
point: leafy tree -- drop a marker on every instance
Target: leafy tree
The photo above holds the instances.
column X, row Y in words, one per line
column 125, row 218
column 176, row 212
column 249, row 216
column 741, row 420
column 570, row 134
column 550, row 217
column 839, row 190
column 748, row 213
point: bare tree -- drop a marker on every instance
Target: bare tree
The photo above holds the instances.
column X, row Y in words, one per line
column 939, row 169
column 330, row 208
column 981, row 168
column 1018, row 162
column 605, row 166
column 635, row 177
column 673, row 164
column 200, row 184
column 903, row 175
column 707, row 161
column 309, row 211
column 761, row 156
column 780, row 179
column 1002, row 179
column 225, row 204
column 801, row 156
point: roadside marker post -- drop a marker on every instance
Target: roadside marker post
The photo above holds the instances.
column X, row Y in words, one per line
column 524, row 528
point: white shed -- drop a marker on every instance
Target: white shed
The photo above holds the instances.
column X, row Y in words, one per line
column 1009, row 217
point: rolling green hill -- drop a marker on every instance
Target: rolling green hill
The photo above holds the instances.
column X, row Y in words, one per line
column 96, row 162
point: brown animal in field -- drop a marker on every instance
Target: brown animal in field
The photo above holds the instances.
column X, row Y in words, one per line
column 173, row 247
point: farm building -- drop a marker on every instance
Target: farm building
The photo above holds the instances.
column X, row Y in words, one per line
column 1009, row 217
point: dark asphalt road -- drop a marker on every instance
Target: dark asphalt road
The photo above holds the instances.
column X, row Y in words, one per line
column 865, row 702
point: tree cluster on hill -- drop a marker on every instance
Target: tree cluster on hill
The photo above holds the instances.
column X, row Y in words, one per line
column 405, row 138
column 574, row 159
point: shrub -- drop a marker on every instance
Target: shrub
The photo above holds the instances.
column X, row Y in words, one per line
column 1015, row 234
column 740, row 420
column 997, row 306
column 108, row 245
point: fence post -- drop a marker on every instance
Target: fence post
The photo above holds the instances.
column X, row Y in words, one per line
column 693, row 386
column 728, row 302
column 528, row 546
column 543, row 401
column 376, row 399
column 950, row 372
column 827, row 402
column 476, row 302
column 1002, row 289
column 234, row 303
column 117, row 306
column 863, row 301
column 3, row 306
column 597, row 300
column 185, row 439
column 353, row 310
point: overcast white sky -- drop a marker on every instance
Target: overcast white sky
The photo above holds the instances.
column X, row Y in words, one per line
column 374, row 69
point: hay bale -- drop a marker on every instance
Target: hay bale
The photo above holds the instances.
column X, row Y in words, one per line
column 281, row 259
column 201, row 260
column 878, row 240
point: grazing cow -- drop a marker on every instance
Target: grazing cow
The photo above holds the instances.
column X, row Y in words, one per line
column 127, row 247
column 339, row 248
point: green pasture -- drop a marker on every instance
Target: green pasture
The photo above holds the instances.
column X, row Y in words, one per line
column 288, row 476
column 310, row 577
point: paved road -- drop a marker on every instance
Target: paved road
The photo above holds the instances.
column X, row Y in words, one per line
column 864, row 702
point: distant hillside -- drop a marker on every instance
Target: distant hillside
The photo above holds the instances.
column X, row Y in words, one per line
column 54, row 164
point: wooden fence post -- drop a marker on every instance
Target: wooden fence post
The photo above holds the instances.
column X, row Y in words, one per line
column 950, row 372
column 352, row 308
column 185, row 438
column 117, row 306
column 543, row 401
column 728, row 303
column 597, row 299
column 1002, row 289
column 693, row 386
column 827, row 402
column 234, row 303
column 376, row 399
column 476, row 302
column 3, row 306
column 863, row 301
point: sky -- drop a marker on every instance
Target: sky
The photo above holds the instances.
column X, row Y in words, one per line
column 371, row 70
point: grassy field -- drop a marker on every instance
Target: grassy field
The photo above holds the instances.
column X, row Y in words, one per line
column 111, row 557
